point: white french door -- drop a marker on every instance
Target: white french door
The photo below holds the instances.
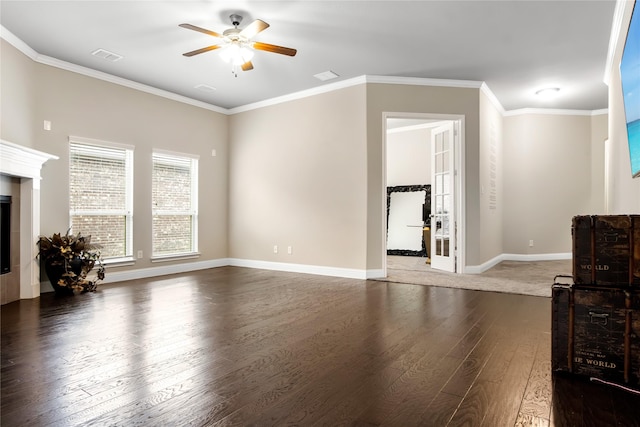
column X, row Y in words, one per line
column 443, row 233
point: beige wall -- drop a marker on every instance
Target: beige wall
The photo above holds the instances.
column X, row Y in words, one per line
column 298, row 178
column 491, row 180
column 624, row 191
column 87, row 107
column 419, row 99
column 599, row 134
column 547, row 180
column 408, row 157
column 308, row 173
column 17, row 96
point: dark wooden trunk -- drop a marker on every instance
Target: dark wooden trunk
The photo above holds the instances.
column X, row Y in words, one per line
column 582, row 235
column 606, row 250
column 595, row 332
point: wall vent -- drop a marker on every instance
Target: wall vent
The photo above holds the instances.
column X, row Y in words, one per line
column 105, row 54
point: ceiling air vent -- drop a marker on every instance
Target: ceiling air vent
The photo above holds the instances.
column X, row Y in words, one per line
column 326, row 75
column 205, row 88
column 105, row 54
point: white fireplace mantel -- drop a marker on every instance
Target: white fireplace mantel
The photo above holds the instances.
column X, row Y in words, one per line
column 25, row 163
column 22, row 162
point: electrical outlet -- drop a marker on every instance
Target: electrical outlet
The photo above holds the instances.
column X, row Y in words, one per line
column 289, row 250
column 275, row 249
column 139, row 254
column 530, row 243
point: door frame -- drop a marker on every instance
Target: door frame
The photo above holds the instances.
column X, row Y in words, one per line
column 459, row 180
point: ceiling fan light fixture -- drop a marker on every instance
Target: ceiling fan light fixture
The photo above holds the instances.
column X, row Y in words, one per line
column 237, row 47
column 548, row 92
column 236, row 53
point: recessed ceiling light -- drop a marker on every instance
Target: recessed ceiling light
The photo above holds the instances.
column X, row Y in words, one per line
column 326, row 75
column 548, row 92
column 205, row 88
column 105, row 54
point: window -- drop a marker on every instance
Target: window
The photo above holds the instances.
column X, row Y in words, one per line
column 101, row 194
column 175, row 204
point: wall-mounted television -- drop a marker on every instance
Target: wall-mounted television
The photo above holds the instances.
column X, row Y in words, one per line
column 630, row 77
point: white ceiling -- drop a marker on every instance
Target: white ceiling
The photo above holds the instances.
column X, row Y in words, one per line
column 515, row 46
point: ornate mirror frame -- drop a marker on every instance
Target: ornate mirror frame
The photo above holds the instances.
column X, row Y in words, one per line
column 427, row 204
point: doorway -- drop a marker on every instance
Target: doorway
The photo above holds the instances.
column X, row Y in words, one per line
column 424, row 151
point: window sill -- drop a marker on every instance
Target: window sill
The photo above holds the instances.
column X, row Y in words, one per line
column 119, row 262
column 176, row 257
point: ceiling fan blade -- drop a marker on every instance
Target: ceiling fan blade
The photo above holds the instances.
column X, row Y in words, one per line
column 203, row 50
column 254, row 28
column 201, row 30
column 275, row 49
column 247, row 66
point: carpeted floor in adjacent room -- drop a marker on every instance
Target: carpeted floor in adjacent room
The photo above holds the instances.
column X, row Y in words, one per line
column 517, row 277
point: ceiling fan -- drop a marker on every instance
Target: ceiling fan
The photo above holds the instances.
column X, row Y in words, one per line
column 237, row 47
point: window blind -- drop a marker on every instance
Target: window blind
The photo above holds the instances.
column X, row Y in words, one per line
column 174, row 198
column 97, row 179
column 100, row 196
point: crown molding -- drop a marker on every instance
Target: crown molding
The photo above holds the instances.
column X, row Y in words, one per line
column 47, row 60
column 616, row 27
column 17, row 43
column 484, row 88
column 330, row 87
column 53, row 62
column 419, row 81
column 555, row 112
column 364, row 79
column 547, row 111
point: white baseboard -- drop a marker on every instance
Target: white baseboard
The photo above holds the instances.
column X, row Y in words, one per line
column 477, row 269
column 537, row 257
column 375, row 274
column 142, row 273
column 350, row 273
column 301, row 268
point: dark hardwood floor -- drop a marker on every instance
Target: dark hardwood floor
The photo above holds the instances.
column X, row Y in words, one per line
column 234, row 346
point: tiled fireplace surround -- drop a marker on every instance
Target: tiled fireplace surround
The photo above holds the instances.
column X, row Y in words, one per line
column 25, row 164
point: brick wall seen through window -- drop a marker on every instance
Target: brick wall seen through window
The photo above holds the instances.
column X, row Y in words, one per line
column 175, row 208
column 100, row 195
